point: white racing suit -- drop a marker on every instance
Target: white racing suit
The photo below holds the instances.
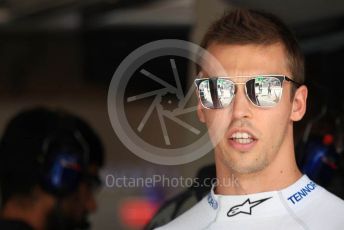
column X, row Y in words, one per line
column 303, row 205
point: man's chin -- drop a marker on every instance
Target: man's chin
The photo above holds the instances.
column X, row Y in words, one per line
column 245, row 165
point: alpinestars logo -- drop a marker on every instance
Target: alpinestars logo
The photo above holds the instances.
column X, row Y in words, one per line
column 245, row 208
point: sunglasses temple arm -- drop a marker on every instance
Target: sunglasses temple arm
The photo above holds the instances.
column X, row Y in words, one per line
column 291, row 80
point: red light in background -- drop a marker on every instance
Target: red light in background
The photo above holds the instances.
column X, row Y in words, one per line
column 328, row 139
column 137, row 212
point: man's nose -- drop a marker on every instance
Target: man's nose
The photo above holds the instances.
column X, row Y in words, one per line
column 242, row 107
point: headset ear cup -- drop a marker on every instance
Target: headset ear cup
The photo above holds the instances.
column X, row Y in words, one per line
column 65, row 157
column 63, row 175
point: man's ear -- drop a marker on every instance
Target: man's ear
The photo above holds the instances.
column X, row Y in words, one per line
column 299, row 103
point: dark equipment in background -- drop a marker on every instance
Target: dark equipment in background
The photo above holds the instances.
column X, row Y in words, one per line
column 320, row 151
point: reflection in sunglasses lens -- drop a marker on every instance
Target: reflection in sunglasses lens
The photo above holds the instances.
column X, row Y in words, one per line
column 204, row 91
column 225, row 89
column 217, row 93
column 264, row 91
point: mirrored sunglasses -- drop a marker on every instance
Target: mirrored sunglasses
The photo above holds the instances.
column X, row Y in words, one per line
column 264, row 91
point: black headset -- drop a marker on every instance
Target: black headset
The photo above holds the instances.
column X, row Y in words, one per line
column 65, row 156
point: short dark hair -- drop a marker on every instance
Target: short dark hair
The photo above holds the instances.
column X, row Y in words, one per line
column 247, row 26
column 21, row 147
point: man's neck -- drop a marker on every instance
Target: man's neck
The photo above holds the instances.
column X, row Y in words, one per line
column 33, row 213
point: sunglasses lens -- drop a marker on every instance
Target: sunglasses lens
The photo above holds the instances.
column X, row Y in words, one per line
column 216, row 93
column 264, row 91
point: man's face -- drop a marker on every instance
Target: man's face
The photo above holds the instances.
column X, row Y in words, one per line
column 81, row 203
column 270, row 128
column 72, row 211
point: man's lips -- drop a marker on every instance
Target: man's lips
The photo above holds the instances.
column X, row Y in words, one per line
column 241, row 139
column 241, row 147
column 236, row 132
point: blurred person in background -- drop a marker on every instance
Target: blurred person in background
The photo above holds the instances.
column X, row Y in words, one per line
column 49, row 164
